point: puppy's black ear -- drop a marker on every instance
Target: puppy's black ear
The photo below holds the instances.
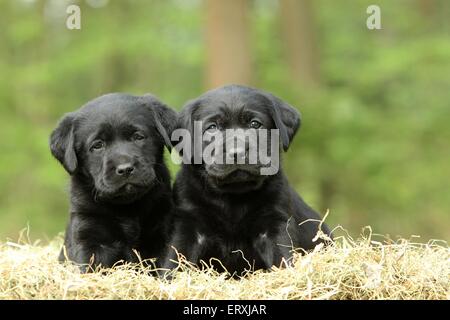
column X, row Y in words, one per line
column 186, row 122
column 287, row 119
column 62, row 143
column 165, row 118
column 185, row 115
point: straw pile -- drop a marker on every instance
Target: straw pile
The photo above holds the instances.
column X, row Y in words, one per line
column 349, row 269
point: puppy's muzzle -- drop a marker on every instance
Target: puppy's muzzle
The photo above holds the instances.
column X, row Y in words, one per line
column 231, row 171
column 125, row 170
column 126, row 175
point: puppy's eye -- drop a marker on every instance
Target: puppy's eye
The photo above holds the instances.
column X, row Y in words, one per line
column 212, row 127
column 97, row 145
column 255, row 124
column 138, row 136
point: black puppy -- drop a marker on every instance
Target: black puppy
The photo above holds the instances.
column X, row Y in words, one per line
column 231, row 212
column 120, row 187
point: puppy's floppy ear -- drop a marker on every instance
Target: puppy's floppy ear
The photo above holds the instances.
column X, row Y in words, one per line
column 62, row 143
column 287, row 119
column 165, row 118
column 185, row 115
column 186, row 122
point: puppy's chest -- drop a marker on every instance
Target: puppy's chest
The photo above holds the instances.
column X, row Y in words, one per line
column 233, row 228
column 130, row 229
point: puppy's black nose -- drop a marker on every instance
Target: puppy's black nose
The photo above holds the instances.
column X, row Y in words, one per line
column 124, row 169
column 237, row 153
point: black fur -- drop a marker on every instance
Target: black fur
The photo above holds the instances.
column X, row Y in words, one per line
column 120, row 192
column 247, row 221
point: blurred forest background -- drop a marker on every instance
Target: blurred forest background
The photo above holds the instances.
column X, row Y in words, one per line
column 374, row 146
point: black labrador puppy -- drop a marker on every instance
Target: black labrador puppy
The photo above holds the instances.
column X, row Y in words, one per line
column 231, row 212
column 120, row 192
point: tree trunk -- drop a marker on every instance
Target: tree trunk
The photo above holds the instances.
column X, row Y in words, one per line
column 298, row 30
column 427, row 8
column 227, row 42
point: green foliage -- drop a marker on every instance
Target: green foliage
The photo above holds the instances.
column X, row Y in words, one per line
column 374, row 143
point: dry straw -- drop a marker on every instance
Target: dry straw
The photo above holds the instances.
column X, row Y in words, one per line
column 348, row 269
